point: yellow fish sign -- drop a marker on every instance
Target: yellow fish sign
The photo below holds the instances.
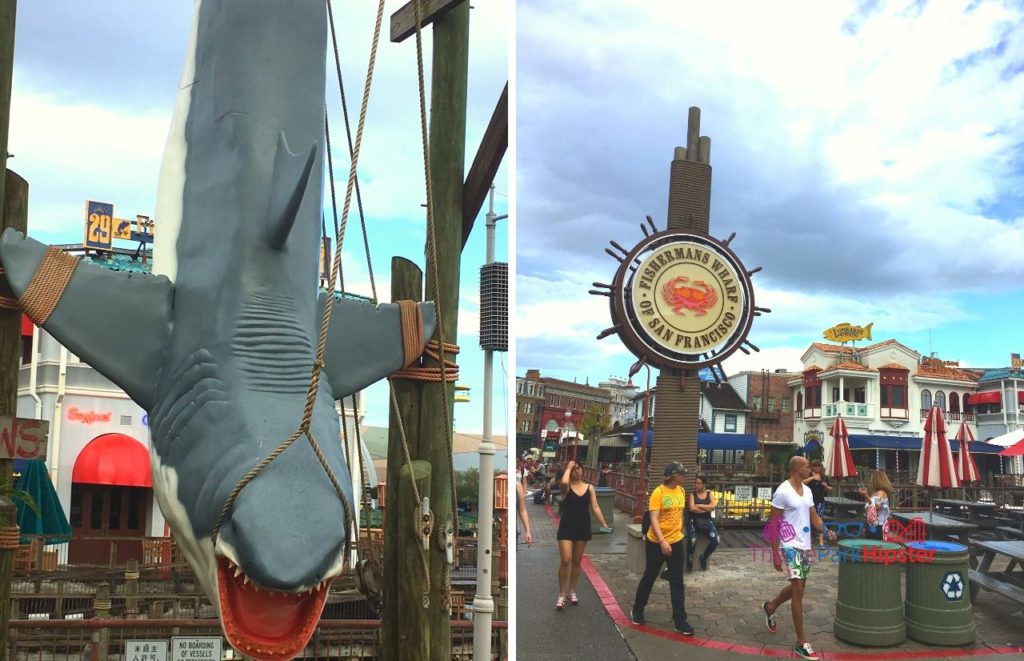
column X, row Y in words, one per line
column 844, row 332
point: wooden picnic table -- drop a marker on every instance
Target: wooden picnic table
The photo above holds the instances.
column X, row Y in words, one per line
column 844, row 508
column 979, row 513
column 940, row 526
column 1009, row 583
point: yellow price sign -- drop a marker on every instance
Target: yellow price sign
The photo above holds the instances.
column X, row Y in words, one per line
column 99, row 220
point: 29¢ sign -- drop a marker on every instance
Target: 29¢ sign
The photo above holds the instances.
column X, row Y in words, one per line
column 99, row 229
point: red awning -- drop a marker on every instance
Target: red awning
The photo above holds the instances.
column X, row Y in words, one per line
column 1020, row 397
column 990, row 397
column 113, row 459
column 26, row 326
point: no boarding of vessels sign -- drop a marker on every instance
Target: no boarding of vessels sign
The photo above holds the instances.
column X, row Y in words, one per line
column 189, row 648
column 682, row 300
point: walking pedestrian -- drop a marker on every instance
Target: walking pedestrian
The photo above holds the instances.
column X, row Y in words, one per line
column 793, row 514
column 819, row 487
column 524, row 517
column 702, row 504
column 578, row 501
column 664, row 544
column 876, row 509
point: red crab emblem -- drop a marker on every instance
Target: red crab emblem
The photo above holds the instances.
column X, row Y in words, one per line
column 680, row 294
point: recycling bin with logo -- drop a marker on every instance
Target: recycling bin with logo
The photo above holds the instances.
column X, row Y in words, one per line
column 938, row 606
column 869, row 606
column 606, row 501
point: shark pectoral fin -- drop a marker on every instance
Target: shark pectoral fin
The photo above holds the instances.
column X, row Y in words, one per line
column 291, row 178
column 365, row 343
column 117, row 322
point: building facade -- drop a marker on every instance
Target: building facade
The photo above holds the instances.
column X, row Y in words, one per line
column 883, row 392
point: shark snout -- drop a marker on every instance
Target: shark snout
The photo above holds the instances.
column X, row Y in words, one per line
column 287, row 530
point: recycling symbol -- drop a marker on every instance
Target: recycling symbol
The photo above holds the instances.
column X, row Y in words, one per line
column 953, row 586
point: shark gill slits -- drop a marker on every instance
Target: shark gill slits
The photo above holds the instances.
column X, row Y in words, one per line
column 270, row 347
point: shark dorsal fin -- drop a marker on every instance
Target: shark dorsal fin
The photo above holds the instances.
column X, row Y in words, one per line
column 290, row 180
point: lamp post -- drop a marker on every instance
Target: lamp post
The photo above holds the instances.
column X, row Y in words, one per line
column 568, row 421
column 641, row 483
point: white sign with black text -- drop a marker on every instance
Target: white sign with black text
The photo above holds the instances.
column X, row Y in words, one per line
column 744, row 493
column 196, row 648
column 145, row 650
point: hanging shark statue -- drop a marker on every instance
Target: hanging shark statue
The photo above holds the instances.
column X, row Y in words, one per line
column 219, row 345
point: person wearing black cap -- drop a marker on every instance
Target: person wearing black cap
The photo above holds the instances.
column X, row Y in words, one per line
column 664, row 544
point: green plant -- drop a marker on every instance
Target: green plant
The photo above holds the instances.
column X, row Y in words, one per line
column 9, row 492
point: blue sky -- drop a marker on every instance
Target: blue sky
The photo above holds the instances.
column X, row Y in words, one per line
column 867, row 155
column 94, row 87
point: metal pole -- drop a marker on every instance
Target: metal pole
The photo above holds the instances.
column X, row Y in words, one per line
column 483, row 604
column 641, row 497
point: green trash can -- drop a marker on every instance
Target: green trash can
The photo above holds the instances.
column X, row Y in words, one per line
column 869, row 606
column 606, row 501
column 939, row 594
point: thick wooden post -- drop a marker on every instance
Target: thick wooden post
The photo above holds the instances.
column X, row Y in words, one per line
column 406, row 284
column 131, row 590
column 15, row 214
column 101, row 608
column 414, row 640
column 10, row 321
column 447, row 165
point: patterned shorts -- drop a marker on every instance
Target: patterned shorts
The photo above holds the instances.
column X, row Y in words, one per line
column 796, row 563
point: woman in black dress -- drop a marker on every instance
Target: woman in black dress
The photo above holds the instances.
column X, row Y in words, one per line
column 578, row 501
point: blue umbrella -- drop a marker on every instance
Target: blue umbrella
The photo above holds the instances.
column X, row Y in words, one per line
column 51, row 521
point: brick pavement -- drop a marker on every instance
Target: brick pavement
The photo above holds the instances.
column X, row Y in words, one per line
column 723, row 604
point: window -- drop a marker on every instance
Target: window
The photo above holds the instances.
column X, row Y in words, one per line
column 526, row 425
column 529, row 389
column 771, row 404
column 529, row 408
column 785, row 404
column 954, row 402
column 940, row 400
column 26, row 349
column 552, row 425
column 730, row 422
column 859, row 396
column 926, row 399
column 835, row 395
column 799, row 401
column 756, row 403
column 519, row 387
column 894, row 396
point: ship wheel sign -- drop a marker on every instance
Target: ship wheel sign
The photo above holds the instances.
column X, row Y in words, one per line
column 680, row 300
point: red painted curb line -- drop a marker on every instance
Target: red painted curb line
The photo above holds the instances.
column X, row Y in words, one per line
column 614, row 610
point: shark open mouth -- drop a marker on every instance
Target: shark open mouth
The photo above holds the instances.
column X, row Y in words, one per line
column 266, row 624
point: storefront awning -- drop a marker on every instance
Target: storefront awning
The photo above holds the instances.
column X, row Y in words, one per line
column 718, row 441
column 976, row 447
column 113, row 459
column 864, row 442
column 989, row 397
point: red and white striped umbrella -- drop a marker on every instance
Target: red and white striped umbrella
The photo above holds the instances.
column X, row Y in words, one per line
column 966, row 469
column 936, row 468
column 838, row 459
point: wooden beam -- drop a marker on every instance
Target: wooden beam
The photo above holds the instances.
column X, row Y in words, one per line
column 403, row 21
column 485, row 165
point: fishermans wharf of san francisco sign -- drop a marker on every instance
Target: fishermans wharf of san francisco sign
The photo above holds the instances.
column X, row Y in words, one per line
column 682, row 300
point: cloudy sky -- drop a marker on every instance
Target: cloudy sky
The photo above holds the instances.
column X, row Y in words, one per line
column 94, row 87
column 867, row 154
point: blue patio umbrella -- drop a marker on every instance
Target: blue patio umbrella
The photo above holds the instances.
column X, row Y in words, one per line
column 51, row 522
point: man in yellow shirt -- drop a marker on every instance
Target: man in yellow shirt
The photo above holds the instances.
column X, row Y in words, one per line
column 665, row 545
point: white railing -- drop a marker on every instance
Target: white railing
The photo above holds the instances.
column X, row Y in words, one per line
column 850, row 410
